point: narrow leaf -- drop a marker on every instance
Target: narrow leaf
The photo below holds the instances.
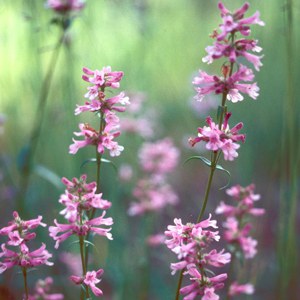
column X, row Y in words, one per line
column 94, row 160
column 208, row 163
column 48, row 175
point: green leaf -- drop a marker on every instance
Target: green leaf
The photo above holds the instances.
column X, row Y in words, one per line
column 48, row 175
column 204, row 159
column 94, row 160
column 89, row 243
column 208, row 163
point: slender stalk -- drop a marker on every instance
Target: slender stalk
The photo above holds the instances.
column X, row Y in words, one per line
column 179, row 285
column 290, row 168
column 81, row 243
column 37, row 125
column 24, row 271
column 98, row 181
column 230, row 271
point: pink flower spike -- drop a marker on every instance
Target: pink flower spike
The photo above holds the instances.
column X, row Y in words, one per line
column 237, row 289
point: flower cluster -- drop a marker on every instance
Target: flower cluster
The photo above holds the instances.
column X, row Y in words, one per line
column 153, row 192
column 98, row 103
column 227, row 45
column 19, row 234
column 42, row 290
column 223, row 138
column 79, row 198
column 237, row 227
column 190, row 242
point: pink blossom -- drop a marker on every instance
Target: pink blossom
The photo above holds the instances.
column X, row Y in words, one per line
column 78, row 229
column 223, row 138
column 156, row 240
column 42, row 289
column 231, row 86
column 204, row 287
column 160, row 157
column 18, row 224
column 103, row 78
column 186, row 241
column 233, row 51
column 24, row 258
column 217, row 259
column 65, row 6
column 100, row 140
column 237, row 289
column 235, row 22
column 152, row 195
column 125, row 172
column 79, row 196
column 137, row 125
column 90, row 279
column 239, row 236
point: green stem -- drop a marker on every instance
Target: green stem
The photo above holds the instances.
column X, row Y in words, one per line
column 207, row 191
column 37, row 125
column 81, row 243
column 24, row 271
column 98, row 181
column 179, row 285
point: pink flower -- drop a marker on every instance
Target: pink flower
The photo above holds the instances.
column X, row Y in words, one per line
column 65, row 6
column 80, row 196
column 160, row 157
column 90, row 279
column 100, row 140
column 19, row 224
column 152, row 195
column 103, row 78
column 78, row 229
column 42, row 289
column 202, row 287
column 156, row 240
column 217, row 259
column 237, row 289
column 125, row 172
column 24, row 258
column 233, row 51
column 232, row 85
column 235, row 22
column 223, row 138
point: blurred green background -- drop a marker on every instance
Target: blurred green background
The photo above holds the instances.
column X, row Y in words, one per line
column 159, row 45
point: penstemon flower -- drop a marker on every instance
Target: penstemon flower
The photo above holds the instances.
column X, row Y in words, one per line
column 190, row 243
column 104, row 138
column 237, row 228
column 156, row 159
column 231, row 85
column 82, row 200
column 223, row 139
column 19, row 234
column 231, row 43
column 65, row 6
column 79, row 199
column 91, row 278
column 42, row 291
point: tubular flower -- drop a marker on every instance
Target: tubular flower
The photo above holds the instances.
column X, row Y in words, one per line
column 223, row 139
